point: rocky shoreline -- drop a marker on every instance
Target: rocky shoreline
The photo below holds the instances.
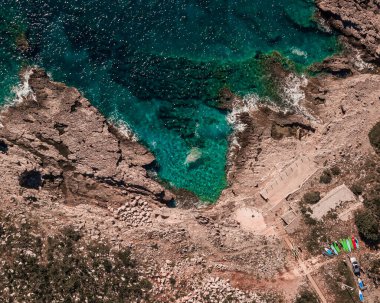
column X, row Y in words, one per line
column 61, row 144
column 62, row 164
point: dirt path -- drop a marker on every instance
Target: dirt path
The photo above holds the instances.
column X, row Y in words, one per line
column 303, row 266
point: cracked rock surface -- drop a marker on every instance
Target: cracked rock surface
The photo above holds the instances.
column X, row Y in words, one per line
column 57, row 133
column 358, row 20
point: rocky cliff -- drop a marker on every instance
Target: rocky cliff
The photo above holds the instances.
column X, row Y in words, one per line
column 56, row 145
column 358, row 20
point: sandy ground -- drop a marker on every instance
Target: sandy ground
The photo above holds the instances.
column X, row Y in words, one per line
column 251, row 219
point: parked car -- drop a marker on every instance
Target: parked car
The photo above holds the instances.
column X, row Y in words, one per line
column 355, row 266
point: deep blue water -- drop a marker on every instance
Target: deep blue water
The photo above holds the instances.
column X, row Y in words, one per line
column 159, row 66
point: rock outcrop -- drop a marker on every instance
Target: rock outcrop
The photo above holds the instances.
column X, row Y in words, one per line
column 358, row 20
column 56, row 144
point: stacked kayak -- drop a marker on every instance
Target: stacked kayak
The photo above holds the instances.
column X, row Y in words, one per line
column 347, row 245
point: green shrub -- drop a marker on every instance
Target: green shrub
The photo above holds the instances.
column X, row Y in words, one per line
column 312, row 197
column 375, row 267
column 326, row 177
column 368, row 226
column 172, row 281
column 374, row 136
column 374, row 271
column 357, row 189
column 306, row 296
column 309, row 220
column 72, row 234
column 316, row 234
column 373, row 205
column 63, row 268
column 332, row 214
column 335, row 170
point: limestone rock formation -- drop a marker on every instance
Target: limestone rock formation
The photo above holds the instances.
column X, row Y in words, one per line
column 56, row 141
column 359, row 20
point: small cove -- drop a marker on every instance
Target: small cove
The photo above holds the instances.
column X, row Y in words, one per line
column 158, row 67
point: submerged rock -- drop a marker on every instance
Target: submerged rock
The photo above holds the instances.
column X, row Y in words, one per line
column 194, row 155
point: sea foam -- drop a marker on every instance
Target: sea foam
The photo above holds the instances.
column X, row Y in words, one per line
column 23, row 89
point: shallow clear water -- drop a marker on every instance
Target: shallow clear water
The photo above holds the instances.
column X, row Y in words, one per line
column 159, row 66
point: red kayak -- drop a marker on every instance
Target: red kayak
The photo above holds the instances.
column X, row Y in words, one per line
column 353, row 242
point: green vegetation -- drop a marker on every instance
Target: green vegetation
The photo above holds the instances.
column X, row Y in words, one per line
column 331, row 215
column 326, row 177
column 335, row 170
column 316, row 235
column 172, row 281
column 312, row 197
column 63, row 268
column 306, row 212
column 374, row 270
column 306, row 296
column 368, row 219
column 328, row 174
column 374, row 136
column 357, row 189
column 368, row 226
column 375, row 267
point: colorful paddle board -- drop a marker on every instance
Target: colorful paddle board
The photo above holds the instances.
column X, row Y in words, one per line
column 343, row 244
column 333, row 249
column 357, row 243
column 336, row 247
column 361, row 297
column 348, row 245
column 353, row 242
column 361, row 283
column 328, row 251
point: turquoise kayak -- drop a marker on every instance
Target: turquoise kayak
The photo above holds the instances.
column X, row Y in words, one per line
column 357, row 243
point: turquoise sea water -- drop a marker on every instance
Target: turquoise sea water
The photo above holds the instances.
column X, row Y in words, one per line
column 159, row 66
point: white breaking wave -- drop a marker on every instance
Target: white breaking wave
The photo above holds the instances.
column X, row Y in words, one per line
column 240, row 106
column 124, row 128
column 245, row 105
column 22, row 90
column 293, row 92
